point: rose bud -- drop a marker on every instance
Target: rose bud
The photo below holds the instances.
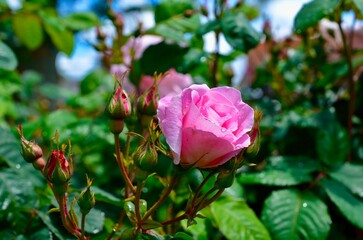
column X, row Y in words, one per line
column 58, row 170
column 86, row 200
column 148, row 101
column 225, row 179
column 119, row 105
column 30, row 150
column 205, row 127
column 146, row 156
column 254, row 148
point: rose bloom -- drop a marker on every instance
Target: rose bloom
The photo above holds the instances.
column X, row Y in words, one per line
column 205, row 127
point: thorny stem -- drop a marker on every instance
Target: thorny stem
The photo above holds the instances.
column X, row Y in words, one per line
column 137, row 204
column 177, row 219
column 163, row 197
column 117, row 226
column 210, row 174
column 351, row 85
column 122, row 165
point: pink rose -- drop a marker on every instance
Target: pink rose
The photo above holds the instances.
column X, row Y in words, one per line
column 171, row 83
column 205, row 127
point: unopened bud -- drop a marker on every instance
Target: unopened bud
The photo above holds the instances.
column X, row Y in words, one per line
column 58, row 170
column 146, row 156
column 30, row 150
column 86, row 200
column 39, row 164
column 148, row 101
column 119, row 105
column 254, row 147
column 225, row 179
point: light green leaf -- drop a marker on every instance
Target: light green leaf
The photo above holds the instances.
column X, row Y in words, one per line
column 359, row 4
column 81, row 21
column 276, row 177
column 28, row 29
column 351, row 175
column 294, row 215
column 349, row 205
column 237, row 221
column 238, row 32
column 61, row 37
column 170, row 8
column 8, row 59
column 312, row 12
column 198, row 230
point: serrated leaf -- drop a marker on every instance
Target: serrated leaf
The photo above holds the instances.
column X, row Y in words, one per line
column 8, row 59
column 237, row 221
column 312, row 12
column 81, row 21
column 28, row 30
column 292, row 215
column 332, row 145
column 349, row 205
column 238, row 32
column 276, row 177
column 10, row 150
column 351, row 175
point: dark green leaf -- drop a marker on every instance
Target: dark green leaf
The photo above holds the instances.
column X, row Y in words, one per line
column 10, row 150
column 48, row 222
column 209, row 26
column 104, row 196
column 8, row 59
column 333, row 145
column 312, row 12
column 351, row 175
column 182, row 236
column 161, row 57
column 28, row 29
column 81, row 21
column 237, row 221
column 292, row 215
column 170, row 8
column 238, row 32
column 294, row 163
column 276, row 177
column 349, row 205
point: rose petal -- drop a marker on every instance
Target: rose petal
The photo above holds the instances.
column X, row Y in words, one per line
column 170, row 120
column 204, row 149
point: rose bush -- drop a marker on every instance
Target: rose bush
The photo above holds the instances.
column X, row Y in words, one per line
column 205, row 127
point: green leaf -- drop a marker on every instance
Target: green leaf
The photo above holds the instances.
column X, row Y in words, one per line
column 103, row 196
column 333, row 145
column 61, row 37
column 300, row 163
column 237, row 221
column 81, row 21
column 175, row 28
column 198, row 230
column 359, row 4
column 209, row 26
column 349, row 205
column 311, row 13
column 238, row 32
column 48, row 222
column 10, row 150
column 276, row 177
column 170, row 8
column 8, row 59
column 292, row 215
column 157, row 58
column 28, row 30
column 182, row 236
column 351, row 175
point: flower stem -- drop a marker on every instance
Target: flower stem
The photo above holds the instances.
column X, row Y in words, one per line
column 122, row 165
column 163, row 197
column 177, row 219
column 83, row 224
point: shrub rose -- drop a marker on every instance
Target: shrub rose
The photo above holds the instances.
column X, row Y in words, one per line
column 205, row 127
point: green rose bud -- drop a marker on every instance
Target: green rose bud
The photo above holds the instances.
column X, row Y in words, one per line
column 86, row 200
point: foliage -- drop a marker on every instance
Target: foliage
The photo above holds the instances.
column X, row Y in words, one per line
column 305, row 182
